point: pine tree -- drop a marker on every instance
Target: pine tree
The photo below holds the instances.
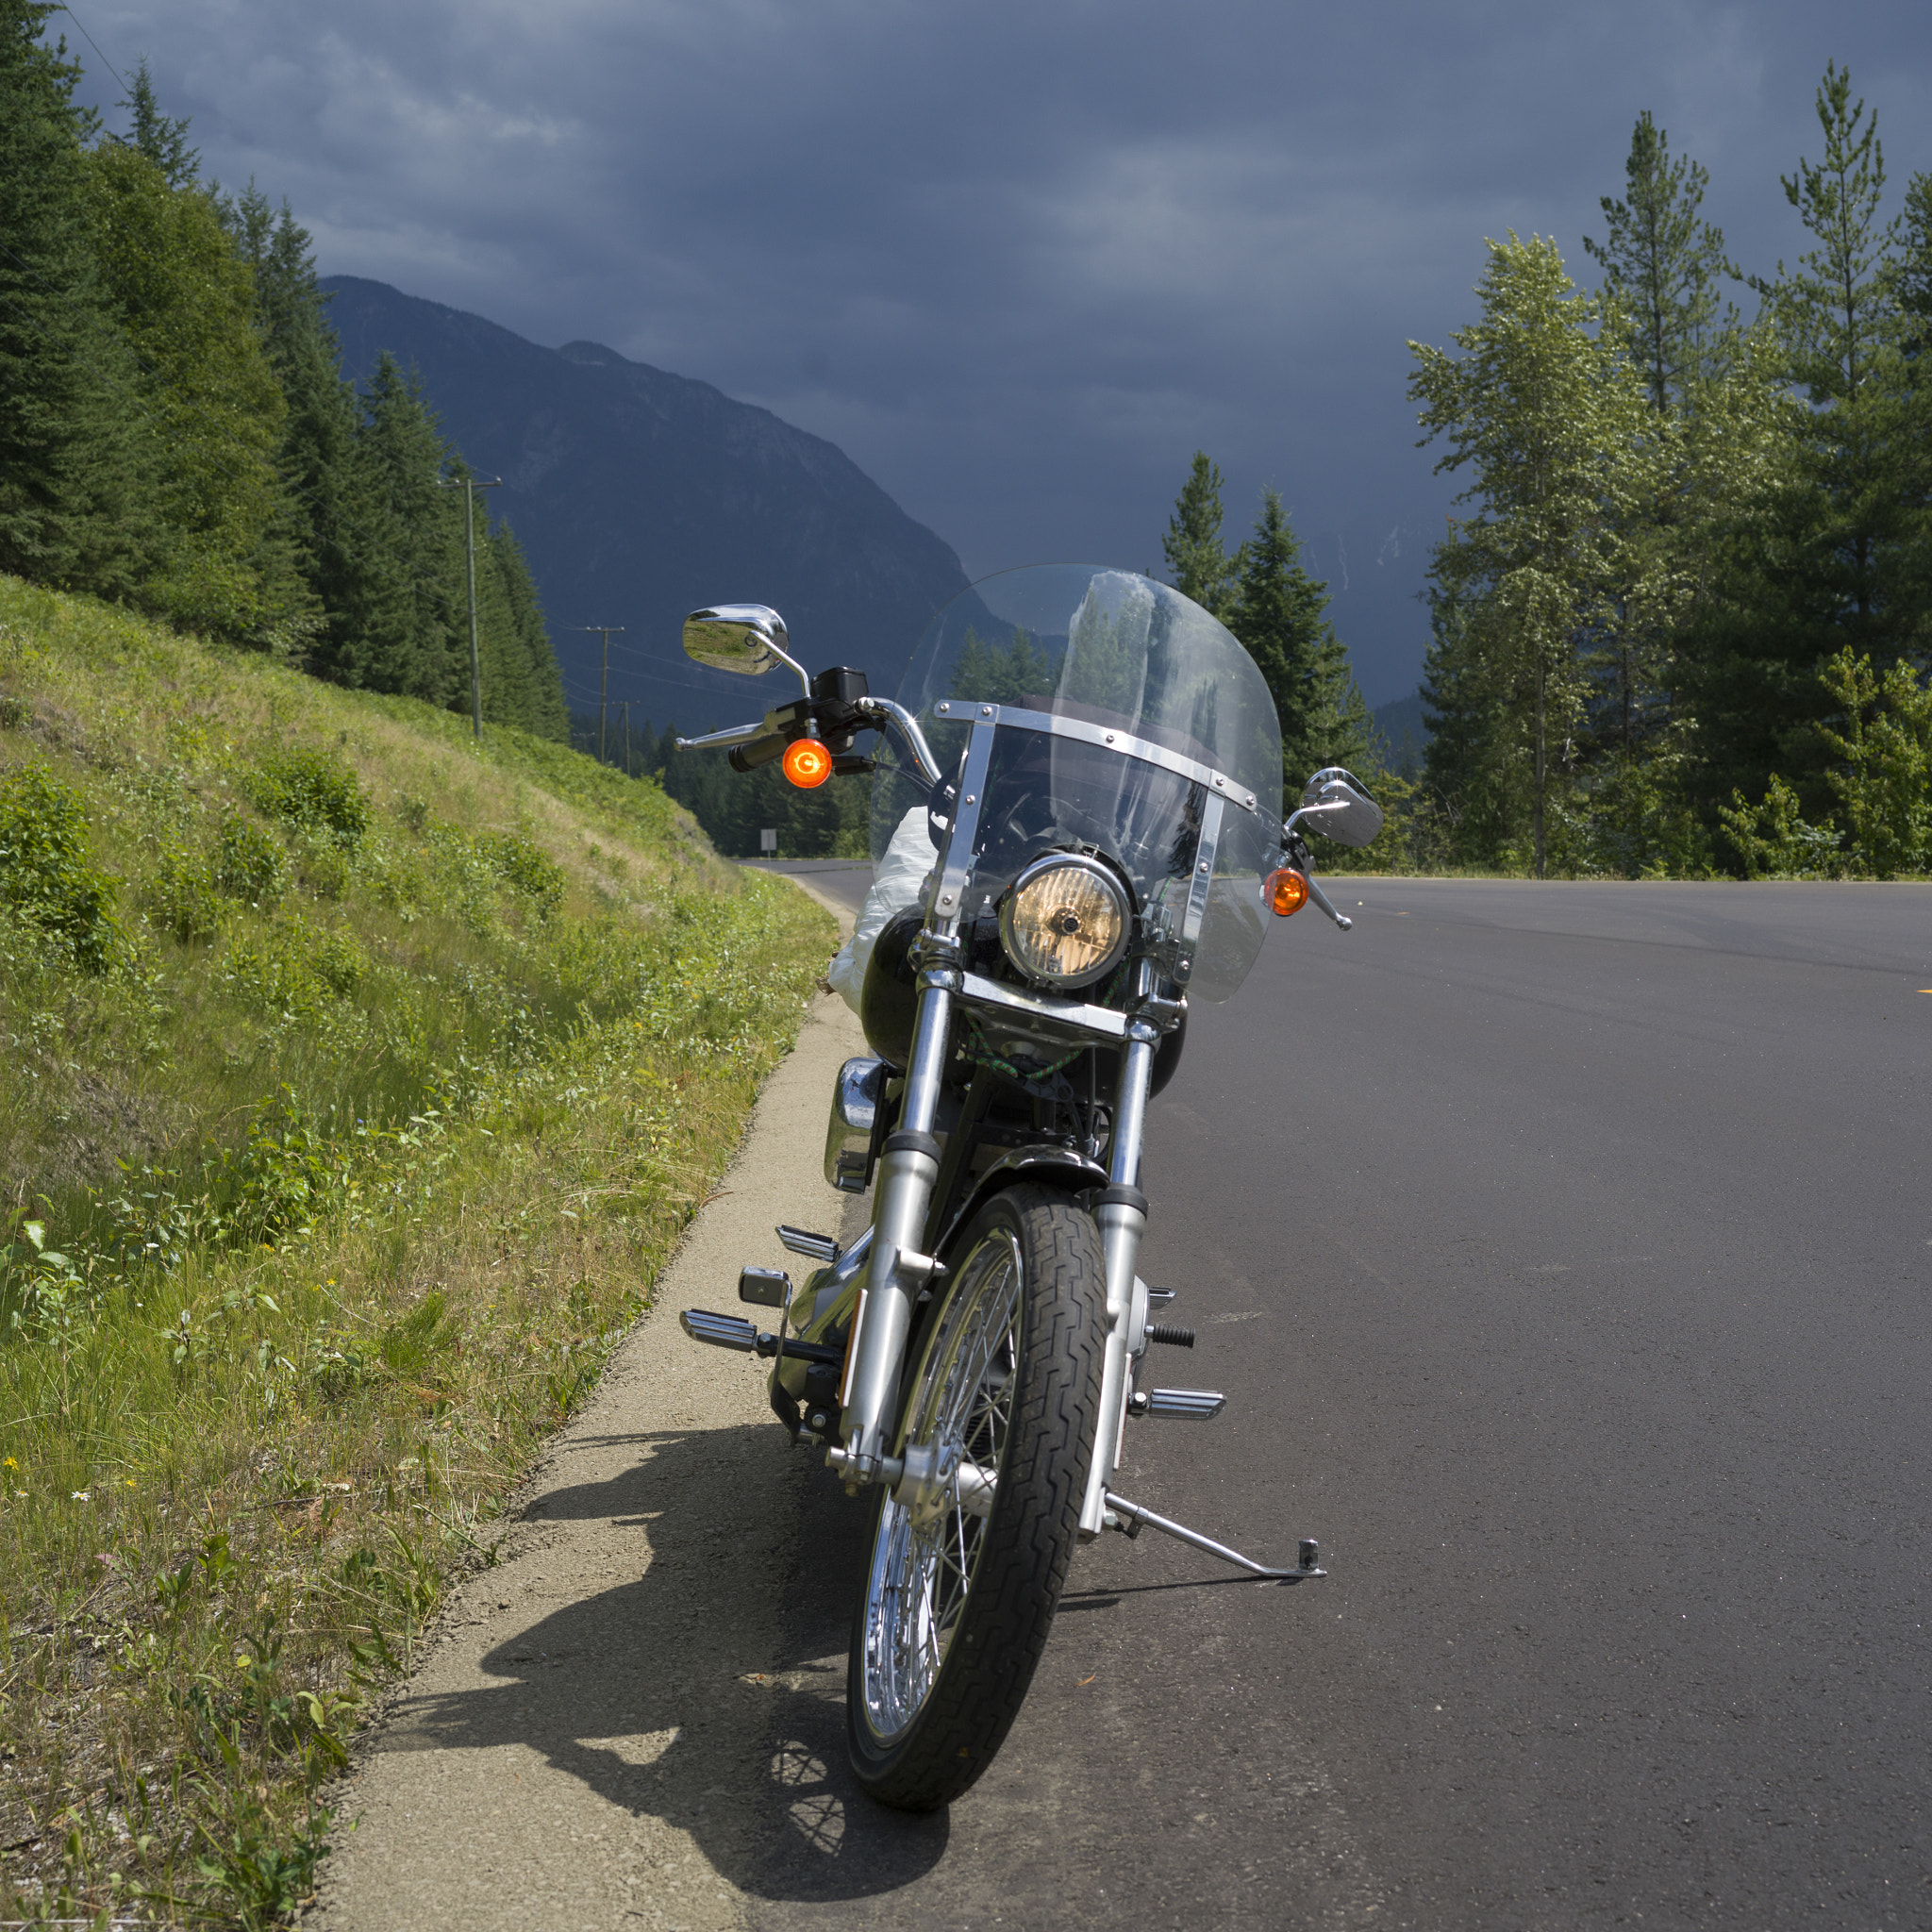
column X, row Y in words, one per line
column 1280, row 613
column 424, row 650
column 184, row 299
column 543, row 711
column 153, row 134
column 1841, row 316
column 1662, row 262
column 1839, row 558
column 76, row 452
column 343, row 541
column 1472, row 765
column 1196, row 563
column 1913, row 287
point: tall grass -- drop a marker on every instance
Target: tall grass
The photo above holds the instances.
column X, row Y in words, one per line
column 353, row 1086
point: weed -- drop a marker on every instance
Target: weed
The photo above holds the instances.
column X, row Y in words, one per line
column 248, row 864
column 46, row 875
column 181, row 897
column 311, row 788
column 526, row 869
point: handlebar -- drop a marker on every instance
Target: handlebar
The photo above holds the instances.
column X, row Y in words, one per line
column 879, row 714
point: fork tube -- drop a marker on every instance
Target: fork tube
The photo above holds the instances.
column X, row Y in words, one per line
column 907, row 1170
column 1122, row 1217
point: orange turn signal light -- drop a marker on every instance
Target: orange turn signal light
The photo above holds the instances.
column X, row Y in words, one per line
column 1288, row 891
column 808, row 763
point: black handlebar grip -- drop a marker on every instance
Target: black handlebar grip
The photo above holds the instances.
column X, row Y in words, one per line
column 760, row 751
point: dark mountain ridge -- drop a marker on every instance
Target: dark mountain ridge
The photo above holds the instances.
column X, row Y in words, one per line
column 638, row 495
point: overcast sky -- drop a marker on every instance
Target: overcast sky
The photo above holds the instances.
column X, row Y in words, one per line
column 1020, row 260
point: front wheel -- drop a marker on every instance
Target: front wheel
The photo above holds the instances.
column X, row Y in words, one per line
column 970, row 1551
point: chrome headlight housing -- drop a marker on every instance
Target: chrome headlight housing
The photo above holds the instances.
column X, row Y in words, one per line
column 1067, row 920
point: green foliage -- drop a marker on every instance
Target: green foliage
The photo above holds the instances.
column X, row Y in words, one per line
column 185, row 303
column 1697, row 561
column 182, row 895
column 1004, row 675
column 1661, row 261
column 47, row 876
column 334, row 1214
column 248, row 864
column 1884, row 739
column 1547, row 415
column 1197, row 564
column 1842, row 556
column 309, row 788
column 524, row 867
column 1280, row 614
column 76, row 468
column 174, row 429
column 1773, row 839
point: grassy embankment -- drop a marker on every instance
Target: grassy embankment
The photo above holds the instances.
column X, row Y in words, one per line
column 353, row 1086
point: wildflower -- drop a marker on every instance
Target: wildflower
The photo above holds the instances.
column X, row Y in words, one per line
column 81, row 1496
column 10, row 1463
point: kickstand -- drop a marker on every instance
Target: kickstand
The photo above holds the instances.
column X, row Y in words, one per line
column 1130, row 1519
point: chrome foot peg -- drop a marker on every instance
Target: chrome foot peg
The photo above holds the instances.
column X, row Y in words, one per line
column 1130, row 1519
column 735, row 1332
column 814, row 1247
column 1188, row 1405
column 720, row 1331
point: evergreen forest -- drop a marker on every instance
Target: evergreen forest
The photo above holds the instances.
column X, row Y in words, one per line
column 176, row 435
column 1683, row 623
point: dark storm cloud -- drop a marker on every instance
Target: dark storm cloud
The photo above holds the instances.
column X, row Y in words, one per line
column 1019, row 262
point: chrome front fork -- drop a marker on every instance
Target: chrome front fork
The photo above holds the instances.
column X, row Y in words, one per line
column 1121, row 1216
column 907, row 1170
column 897, row 1271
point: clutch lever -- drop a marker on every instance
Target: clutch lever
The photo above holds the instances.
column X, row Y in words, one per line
column 727, row 739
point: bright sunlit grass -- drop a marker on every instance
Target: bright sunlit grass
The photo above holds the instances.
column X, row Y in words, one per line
column 353, row 1086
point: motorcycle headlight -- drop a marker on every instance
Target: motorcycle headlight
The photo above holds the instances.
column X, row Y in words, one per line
column 1066, row 920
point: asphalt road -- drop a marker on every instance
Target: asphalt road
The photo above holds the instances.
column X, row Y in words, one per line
column 1565, row 1254
column 839, row 880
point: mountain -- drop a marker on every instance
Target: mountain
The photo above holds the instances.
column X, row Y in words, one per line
column 638, row 495
column 1400, row 721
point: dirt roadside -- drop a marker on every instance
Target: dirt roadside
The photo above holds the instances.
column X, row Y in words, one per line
column 593, row 1709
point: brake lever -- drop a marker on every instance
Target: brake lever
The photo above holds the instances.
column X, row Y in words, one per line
column 1321, row 899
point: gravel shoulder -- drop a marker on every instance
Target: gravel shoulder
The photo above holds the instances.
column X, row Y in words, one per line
column 586, row 1739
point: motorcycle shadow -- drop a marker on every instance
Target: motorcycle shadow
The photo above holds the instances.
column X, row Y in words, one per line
column 706, row 1688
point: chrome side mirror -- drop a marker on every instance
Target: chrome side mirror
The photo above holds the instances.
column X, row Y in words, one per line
column 1338, row 805
column 749, row 637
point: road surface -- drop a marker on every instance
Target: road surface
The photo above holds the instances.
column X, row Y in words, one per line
column 1565, row 1252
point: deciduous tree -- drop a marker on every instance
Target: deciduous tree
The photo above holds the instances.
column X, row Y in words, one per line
column 1550, row 419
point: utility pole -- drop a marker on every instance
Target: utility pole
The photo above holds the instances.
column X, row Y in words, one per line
column 604, row 689
column 471, row 486
column 626, row 737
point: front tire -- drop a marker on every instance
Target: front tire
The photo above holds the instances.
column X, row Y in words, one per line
column 964, row 1576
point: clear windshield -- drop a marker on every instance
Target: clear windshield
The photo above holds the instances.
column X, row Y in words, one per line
column 1121, row 652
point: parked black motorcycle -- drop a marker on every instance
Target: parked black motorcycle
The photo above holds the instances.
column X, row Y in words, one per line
column 1077, row 832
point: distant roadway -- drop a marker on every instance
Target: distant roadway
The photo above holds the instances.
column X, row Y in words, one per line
column 1565, row 1252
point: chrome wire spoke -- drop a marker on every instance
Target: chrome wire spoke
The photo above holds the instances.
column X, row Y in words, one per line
column 961, row 1407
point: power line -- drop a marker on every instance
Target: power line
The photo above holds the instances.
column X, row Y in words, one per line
column 95, row 46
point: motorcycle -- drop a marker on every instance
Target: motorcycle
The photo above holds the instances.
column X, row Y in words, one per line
column 1077, row 832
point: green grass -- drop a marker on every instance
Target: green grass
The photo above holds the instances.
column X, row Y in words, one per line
column 354, row 1085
